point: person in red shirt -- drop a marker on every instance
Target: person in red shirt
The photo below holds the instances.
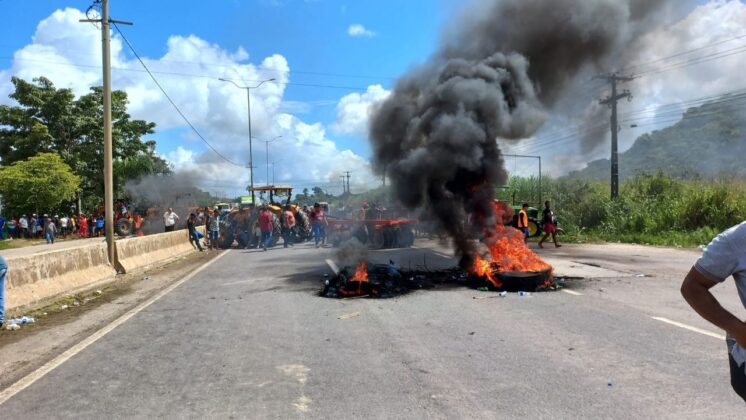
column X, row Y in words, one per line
column 83, row 226
column 318, row 222
column 265, row 225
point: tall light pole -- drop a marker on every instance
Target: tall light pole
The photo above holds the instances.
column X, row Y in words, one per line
column 251, row 155
column 273, row 170
column 266, row 151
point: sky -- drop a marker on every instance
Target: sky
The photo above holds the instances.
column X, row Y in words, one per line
column 331, row 61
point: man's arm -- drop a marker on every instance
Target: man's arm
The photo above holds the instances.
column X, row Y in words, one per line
column 696, row 291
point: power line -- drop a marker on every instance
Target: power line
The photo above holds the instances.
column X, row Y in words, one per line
column 193, row 75
column 628, row 69
column 189, row 123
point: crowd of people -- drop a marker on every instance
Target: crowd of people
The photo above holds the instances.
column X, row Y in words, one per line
column 45, row 226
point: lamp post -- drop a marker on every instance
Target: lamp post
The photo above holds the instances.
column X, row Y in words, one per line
column 273, row 169
column 266, row 151
column 251, row 156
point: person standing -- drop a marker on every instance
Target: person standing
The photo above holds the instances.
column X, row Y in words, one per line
column 100, row 224
column 12, row 228
column 2, row 227
column 49, row 230
column 723, row 258
column 83, row 229
column 3, row 272
column 547, row 219
column 318, row 220
column 170, row 219
column 523, row 221
column 288, row 224
column 265, row 226
column 193, row 234
column 137, row 224
column 64, row 225
column 23, row 226
column 213, row 226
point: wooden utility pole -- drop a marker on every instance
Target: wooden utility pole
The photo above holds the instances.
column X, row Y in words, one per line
column 611, row 101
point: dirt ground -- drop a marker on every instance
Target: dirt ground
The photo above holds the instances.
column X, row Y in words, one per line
column 69, row 319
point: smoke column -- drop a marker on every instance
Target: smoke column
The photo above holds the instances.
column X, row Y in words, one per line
column 498, row 73
column 158, row 193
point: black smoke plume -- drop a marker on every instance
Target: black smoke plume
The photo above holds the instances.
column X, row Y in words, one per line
column 497, row 75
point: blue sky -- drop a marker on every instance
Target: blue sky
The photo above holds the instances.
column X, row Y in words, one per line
column 305, row 42
column 312, row 35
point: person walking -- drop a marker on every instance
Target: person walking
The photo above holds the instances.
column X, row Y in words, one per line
column 723, row 258
column 3, row 272
column 49, row 230
column 547, row 219
column 193, row 234
column 318, row 220
column 288, row 224
column 265, row 226
column 137, row 224
column 523, row 221
column 170, row 219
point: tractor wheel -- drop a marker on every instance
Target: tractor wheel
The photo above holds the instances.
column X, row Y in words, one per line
column 377, row 239
column 533, row 229
column 406, row 237
column 226, row 238
column 303, row 225
column 123, row 227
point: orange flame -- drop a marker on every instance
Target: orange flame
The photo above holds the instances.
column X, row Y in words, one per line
column 361, row 273
column 508, row 250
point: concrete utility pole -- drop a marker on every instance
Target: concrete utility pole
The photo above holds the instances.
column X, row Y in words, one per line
column 251, row 154
column 108, row 170
column 344, row 190
column 348, row 181
column 611, row 101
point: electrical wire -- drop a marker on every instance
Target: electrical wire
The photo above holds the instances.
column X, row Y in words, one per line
column 189, row 123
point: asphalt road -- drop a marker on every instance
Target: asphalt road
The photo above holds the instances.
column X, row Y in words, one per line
column 247, row 337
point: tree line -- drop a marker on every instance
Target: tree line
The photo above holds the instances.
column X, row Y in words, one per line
column 51, row 148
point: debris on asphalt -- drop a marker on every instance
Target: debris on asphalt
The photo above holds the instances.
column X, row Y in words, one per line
column 349, row 316
column 98, row 292
column 522, row 294
column 76, row 303
column 63, row 307
column 146, row 278
column 15, row 323
column 12, row 327
column 640, row 275
column 472, row 333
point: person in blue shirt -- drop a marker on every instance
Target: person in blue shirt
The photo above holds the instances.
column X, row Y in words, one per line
column 2, row 227
column 99, row 225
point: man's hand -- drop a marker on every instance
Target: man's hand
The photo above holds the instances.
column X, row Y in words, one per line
column 739, row 334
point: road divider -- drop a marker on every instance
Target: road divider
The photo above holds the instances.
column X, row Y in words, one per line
column 141, row 252
column 39, row 276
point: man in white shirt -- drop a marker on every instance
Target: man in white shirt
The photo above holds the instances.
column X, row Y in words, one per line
column 724, row 257
column 64, row 224
column 23, row 224
column 170, row 219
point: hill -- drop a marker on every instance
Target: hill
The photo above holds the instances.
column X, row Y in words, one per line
column 709, row 141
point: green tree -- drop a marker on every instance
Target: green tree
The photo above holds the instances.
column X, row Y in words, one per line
column 38, row 183
column 47, row 119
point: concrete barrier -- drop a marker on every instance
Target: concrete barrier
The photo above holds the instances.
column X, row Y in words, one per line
column 39, row 276
column 145, row 251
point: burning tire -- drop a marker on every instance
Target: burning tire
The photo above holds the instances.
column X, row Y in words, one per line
column 123, row 227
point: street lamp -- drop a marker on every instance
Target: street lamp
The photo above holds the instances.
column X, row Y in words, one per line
column 266, row 151
column 274, row 162
column 248, row 102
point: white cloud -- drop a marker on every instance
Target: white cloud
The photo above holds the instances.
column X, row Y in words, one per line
column 358, row 30
column 68, row 53
column 353, row 110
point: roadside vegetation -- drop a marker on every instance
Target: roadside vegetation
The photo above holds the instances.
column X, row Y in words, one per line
column 654, row 209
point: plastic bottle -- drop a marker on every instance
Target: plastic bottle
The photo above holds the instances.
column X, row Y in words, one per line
column 503, row 294
column 524, row 294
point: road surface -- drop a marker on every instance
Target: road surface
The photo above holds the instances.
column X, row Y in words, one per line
column 247, row 337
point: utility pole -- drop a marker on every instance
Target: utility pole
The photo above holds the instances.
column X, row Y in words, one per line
column 611, row 101
column 108, row 171
column 344, row 190
column 348, row 182
column 251, row 153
